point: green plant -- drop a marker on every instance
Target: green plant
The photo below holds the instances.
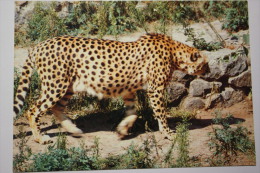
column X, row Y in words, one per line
column 20, row 160
column 182, row 114
column 200, row 43
column 60, row 158
column 183, row 144
column 138, row 157
column 184, row 12
column 236, row 16
column 80, row 19
column 226, row 141
column 44, row 22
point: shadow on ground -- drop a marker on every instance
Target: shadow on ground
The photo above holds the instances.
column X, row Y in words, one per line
column 109, row 121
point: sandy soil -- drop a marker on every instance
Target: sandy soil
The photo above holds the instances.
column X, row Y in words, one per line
column 111, row 145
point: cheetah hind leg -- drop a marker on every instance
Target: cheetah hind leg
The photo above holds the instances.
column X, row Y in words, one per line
column 58, row 112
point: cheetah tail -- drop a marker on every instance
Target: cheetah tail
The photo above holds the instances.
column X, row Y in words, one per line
column 23, row 86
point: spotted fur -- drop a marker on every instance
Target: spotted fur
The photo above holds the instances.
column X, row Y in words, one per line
column 104, row 68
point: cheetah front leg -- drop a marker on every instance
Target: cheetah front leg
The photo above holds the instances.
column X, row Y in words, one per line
column 158, row 105
column 58, row 110
column 128, row 121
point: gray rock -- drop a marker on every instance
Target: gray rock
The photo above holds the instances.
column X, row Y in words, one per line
column 199, row 88
column 231, row 96
column 227, row 93
column 236, row 65
column 175, row 91
column 242, row 80
column 181, row 77
column 214, row 100
column 226, row 63
column 215, row 70
column 192, row 103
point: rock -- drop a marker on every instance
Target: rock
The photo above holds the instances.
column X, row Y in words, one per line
column 235, row 66
column 215, row 70
column 227, row 93
column 192, row 103
column 214, row 100
column 226, row 63
column 231, row 96
column 199, row 88
column 242, row 80
column 181, row 77
column 175, row 92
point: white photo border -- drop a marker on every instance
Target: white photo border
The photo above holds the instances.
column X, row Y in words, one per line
column 7, row 11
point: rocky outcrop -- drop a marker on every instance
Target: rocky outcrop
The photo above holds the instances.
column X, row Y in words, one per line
column 225, row 85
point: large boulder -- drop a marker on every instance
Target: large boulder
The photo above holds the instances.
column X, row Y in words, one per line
column 226, row 63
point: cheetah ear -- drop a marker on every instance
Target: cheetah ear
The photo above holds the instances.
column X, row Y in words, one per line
column 194, row 57
column 197, row 55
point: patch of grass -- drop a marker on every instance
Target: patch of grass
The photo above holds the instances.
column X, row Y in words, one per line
column 227, row 142
column 182, row 140
column 182, row 114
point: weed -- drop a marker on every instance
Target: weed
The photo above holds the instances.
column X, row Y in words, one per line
column 182, row 114
column 236, row 16
column 20, row 160
column 227, row 141
column 138, row 157
column 45, row 23
column 200, row 43
column 183, row 145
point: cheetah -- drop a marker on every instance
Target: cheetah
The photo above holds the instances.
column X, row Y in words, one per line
column 104, row 68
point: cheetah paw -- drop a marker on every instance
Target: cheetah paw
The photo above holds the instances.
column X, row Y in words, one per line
column 70, row 127
column 45, row 139
column 125, row 125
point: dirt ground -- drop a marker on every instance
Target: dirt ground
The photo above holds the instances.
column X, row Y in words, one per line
column 111, row 145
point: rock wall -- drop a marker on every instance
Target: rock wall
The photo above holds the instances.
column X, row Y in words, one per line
column 228, row 82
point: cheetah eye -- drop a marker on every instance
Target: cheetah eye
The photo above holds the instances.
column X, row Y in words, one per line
column 194, row 56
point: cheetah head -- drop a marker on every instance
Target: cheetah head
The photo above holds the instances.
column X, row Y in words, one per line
column 193, row 62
